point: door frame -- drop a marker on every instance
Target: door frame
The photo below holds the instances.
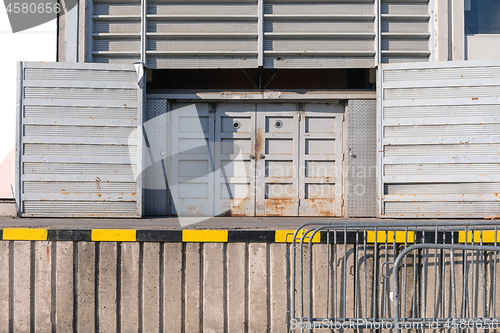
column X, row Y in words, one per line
column 258, row 96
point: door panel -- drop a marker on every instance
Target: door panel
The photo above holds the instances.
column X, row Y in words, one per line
column 277, row 148
column 235, row 160
column 320, row 162
column 191, row 174
column 256, row 159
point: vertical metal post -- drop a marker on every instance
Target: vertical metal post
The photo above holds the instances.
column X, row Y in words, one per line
column 143, row 103
column 19, row 137
column 436, row 268
column 345, row 274
column 260, row 33
column 144, row 9
column 327, row 271
column 432, row 30
column 494, row 313
column 378, row 32
column 404, row 273
column 89, row 29
column 375, row 264
column 453, row 290
column 379, row 172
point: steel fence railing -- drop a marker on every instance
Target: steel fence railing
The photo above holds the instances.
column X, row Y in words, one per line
column 444, row 275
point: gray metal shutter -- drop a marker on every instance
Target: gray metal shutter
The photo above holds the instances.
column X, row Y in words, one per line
column 439, row 139
column 254, row 33
column 319, row 35
column 197, row 34
column 78, row 152
column 114, row 32
column 405, row 30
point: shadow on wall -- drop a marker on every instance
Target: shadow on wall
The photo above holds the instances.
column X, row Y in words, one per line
column 7, row 175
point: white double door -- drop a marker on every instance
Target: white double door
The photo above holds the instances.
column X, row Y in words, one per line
column 255, row 159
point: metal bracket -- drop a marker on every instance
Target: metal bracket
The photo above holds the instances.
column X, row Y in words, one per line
column 384, row 273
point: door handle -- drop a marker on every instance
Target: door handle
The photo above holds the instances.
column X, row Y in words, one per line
column 261, row 156
column 252, row 157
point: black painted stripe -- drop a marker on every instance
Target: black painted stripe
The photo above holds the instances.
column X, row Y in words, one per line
column 171, row 236
column 251, row 236
column 73, row 235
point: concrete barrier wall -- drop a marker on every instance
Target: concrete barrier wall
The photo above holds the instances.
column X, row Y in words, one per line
column 219, row 286
column 48, row 286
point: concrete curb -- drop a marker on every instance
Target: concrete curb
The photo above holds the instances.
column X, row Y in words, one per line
column 238, row 236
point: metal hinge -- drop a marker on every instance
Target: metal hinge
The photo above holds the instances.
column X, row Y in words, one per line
column 342, row 202
column 299, row 202
column 300, row 116
column 343, row 117
column 343, row 156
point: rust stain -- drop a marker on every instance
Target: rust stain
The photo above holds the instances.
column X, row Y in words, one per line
column 278, row 207
column 48, row 255
column 258, row 143
column 322, row 207
column 194, row 210
column 475, row 98
column 63, row 190
column 98, row 185
column 239, row 210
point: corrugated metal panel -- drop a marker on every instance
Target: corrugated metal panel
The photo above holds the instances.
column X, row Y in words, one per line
column 79, row 153
column 202, row 35
column 115, row 32
column 253, row 33
column 362, row 143
column 319, row 35
column 406, row 30
column 439, row 139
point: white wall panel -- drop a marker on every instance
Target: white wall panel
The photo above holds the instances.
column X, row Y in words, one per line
column 438, row 139
column 78, row 152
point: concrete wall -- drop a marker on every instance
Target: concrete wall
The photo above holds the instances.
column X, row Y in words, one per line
column 61, row 286
column 130, row 286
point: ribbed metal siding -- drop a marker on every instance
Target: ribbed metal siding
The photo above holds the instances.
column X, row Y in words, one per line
column 319, row 35
column 79, row 157
column 194, row 34
column 115, row 29
column 439, row 153
column 406, row 30
column 268, row 33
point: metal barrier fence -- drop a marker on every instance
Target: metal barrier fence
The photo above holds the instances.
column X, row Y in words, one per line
column 396, row 277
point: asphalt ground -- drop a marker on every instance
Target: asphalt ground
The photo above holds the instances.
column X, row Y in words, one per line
column 167, row 223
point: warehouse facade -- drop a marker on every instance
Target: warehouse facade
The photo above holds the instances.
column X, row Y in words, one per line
column 263, row 108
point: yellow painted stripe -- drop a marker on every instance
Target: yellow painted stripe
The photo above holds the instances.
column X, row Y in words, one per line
column 286, row 236
column 113, row 235
column 488, row 236
column 205, row 236
column 383, row 236
column 24, row 234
